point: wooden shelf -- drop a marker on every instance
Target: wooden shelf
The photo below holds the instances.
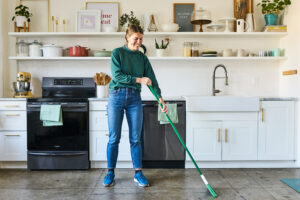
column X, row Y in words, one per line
column 117, row 34
column 152, row 58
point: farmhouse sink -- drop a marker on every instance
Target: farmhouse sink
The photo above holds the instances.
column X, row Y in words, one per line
column 222, row 103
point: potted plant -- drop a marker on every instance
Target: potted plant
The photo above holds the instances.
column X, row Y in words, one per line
column 128, row 19
column 271, row 9
column 161, row 50
column 22, row 15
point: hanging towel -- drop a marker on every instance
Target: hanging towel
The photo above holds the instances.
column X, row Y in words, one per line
column 51, row 115
column 172, row 112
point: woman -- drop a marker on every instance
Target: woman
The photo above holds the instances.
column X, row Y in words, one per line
column 130, row 68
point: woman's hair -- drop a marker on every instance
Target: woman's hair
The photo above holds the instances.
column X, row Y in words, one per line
column 133, row 29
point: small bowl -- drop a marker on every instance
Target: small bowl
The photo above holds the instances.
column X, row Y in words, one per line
column 110, row 29
column 169, row 27
column 102, row 53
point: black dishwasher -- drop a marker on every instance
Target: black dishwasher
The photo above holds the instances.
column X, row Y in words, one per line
column 161, row 146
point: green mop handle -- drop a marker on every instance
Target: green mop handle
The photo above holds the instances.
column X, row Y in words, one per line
column 179, row 137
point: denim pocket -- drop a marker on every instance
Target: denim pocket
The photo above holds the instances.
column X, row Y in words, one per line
column 114, row 92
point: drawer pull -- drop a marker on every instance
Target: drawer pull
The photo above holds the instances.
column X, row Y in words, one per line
column 12, row 115
column 11, row 106
column 226, row 135
column 13, row 135
column 219, row 135
column 107, row 134
column 262, row 114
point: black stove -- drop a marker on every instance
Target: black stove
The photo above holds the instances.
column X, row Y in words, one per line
column 66, row 146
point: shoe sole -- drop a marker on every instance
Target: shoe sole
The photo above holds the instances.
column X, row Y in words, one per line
column 135, row 180
column 109, row 185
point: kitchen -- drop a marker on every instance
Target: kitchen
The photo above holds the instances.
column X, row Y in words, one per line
column 178, row 76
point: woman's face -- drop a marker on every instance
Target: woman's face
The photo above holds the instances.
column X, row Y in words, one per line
column 135, row 41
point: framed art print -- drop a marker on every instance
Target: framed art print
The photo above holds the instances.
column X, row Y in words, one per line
column 88, row 21
column 109, row 14
column 182, row 14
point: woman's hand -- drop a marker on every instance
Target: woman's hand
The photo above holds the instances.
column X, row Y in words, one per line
column 164, row 109
column 144, row 81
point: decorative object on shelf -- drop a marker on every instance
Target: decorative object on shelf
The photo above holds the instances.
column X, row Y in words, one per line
column 129, row 19
column 78, row 51
column 146, row 21
column 215, row 27
column 271, row 9
column 161, row 50
column 22, row 15
column 102, row 80
column 195, row 49
column 250, row 18
column 275, row 28
column 64, row 24
column 182, row 14
column 56, row 25
column 52, row 50
column 152, row 26
column 171, row 27
column 35, row 49
column 109, row 14
column 102, row 53
column 227, row 20
column 88, row 21
column 187, row 49
column 52, row 22
column 241, row 25
column 240, row 8
column 22, row 48
column 201, row 17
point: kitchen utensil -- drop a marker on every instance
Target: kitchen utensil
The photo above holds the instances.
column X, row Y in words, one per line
column 171, row 27
column 102, row 53
column 212, row 192
column 35, row 49
column 227, row 20
column 52, row 50
column 22, row 48
column 201, row 17
column 240, row 25
column 78, row 51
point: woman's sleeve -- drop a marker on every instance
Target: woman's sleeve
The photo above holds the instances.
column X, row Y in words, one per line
column 116, row 70
column 150, row 74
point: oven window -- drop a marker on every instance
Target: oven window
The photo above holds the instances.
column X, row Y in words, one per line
column 73, row 135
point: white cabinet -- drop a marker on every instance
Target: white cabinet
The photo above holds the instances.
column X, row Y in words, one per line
column 219, row 136
column 276, row 130
column 99, row 134
column 13, row 134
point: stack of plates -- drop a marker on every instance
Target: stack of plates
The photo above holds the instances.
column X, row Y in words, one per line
column 209, row 53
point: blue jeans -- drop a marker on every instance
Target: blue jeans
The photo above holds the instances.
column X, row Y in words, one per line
column 128, row 100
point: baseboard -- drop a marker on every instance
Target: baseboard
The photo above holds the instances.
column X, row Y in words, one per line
column 13, row 165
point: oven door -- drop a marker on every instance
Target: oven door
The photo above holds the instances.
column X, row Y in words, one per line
column 72, row 136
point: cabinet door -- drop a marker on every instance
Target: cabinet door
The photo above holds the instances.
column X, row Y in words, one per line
column 239, row 140
column 98, row 146
column 276, row 131
column 13, row 146
column 204, row 140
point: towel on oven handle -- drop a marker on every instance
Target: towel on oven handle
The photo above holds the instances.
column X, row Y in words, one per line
column 172, row 112
column 51, row 115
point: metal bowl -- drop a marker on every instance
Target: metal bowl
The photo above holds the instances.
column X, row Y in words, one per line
column 21, row 87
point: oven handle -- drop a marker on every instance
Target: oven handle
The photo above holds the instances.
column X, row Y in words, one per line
column 57, row 154
column 63, row 106
column 156, row 105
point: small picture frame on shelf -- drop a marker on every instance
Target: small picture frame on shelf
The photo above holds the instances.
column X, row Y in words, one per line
column 88, row 21
column 182, row 15
column 109, row 14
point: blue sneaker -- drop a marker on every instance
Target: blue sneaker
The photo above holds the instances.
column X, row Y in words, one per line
column 109, row 179
column 141, row 179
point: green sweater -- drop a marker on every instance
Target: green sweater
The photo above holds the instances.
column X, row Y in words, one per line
column 127, row 65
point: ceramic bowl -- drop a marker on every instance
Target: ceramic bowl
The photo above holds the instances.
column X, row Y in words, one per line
column 169, row 27
column 102, row 53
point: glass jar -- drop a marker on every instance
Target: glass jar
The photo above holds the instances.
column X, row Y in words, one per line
column 195, row 49
column 201, row 14
column 22, row 48
column 187, row 49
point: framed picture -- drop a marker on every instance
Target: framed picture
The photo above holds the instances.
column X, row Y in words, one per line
column 109, row 14
column 182, row 14
column 88, row 21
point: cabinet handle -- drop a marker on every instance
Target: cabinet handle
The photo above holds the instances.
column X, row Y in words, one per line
column 12, row 115
column 11, row 106
column 12, row 135
column 262, row 114
column 107, row 134
column 226, row 135
column 219, row 135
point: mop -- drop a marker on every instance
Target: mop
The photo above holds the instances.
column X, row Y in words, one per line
column 212, row 192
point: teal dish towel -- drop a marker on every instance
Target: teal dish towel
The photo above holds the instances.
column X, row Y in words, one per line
column 51, row 115
column 172, row 112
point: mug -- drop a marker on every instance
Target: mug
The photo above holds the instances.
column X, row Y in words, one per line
column 241, row 53
column 276, row 52
column 227, row 52
column 240, row 25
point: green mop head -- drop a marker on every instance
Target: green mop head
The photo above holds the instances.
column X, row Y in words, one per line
column 211, row 190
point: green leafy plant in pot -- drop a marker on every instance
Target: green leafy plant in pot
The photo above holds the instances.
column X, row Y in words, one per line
column 271, row 9
column 128, row 19
column 22, row 15
column 161, row 49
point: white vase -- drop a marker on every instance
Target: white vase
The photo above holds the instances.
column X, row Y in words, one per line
column 102, row 91
column 161, row 52
column 20, row 21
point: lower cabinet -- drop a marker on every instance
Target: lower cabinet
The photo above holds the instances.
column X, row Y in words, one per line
column 213, row 140
column 276, row 130
column 13, row 146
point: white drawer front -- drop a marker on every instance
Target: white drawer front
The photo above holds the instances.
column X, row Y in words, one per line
column 98, row 105
column 12, row 105
column 13, row 120
column 98, row 121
